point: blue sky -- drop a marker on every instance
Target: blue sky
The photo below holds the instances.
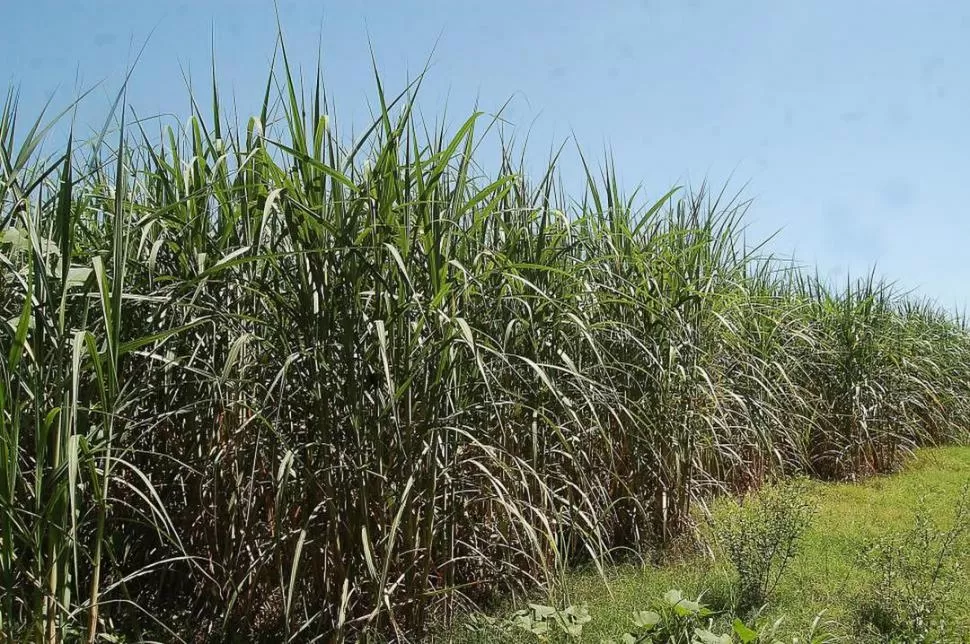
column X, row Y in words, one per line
column 847, row 120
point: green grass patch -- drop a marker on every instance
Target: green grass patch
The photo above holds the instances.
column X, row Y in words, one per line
column 826, row 575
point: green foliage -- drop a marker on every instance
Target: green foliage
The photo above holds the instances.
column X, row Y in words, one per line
column 915, row 572
column 762, row 537
column 821, row 631
column 676, row 620
column 542, row 623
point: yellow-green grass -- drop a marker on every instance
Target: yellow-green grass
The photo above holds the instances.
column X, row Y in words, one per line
column 825, row 576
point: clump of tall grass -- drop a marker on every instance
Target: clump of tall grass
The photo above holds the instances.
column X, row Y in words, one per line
column 267, row 382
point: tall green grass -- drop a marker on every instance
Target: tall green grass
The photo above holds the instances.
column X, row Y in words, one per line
column 267, row 382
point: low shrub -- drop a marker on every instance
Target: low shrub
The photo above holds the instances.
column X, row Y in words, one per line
column 915, row 571
column 762, row 537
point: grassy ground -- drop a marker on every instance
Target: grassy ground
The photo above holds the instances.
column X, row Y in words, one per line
column 824, row 576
